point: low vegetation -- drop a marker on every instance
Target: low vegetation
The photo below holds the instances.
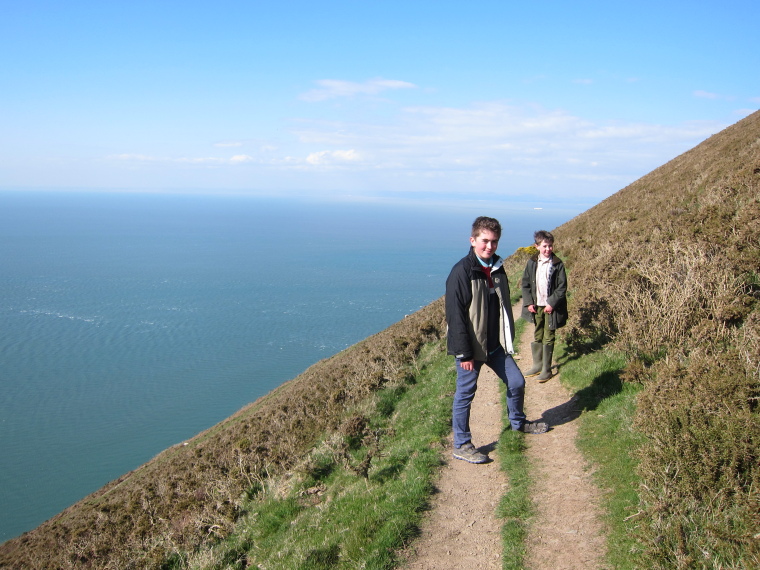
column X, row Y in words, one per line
column 662, row 353
column 665, row 272
column 356, row 499
column 515, row 507
column 608, row 440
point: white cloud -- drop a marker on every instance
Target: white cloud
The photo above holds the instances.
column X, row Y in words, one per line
column 506, row 148
column 133, row 157
column 713, row 96
column 182, row 160
column 330, row 157
column 496, row 147
column 201, row 160
column 241, row 158
column 333, row 88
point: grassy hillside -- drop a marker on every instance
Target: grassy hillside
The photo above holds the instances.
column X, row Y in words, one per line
column 668, row 272
column 665, row 275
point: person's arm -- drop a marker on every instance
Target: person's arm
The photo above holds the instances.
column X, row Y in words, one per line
column 458, row 298
column 560, row 288
column 529, row 303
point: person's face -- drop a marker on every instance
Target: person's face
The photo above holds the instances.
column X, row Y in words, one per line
column 545, row 249
column 485, row 244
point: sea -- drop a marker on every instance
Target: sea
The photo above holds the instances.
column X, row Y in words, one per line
column 132, row 322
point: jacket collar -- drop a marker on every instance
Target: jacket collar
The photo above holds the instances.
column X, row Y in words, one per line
column 554, row 259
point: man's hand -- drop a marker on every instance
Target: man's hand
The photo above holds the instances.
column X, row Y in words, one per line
column 468, row 365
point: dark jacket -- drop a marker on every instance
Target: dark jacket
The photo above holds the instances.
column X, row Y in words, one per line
column 467, row 315
column 556, row 293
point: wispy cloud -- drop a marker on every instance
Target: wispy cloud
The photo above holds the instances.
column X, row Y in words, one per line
column 133, row 157
column 713, row 96
column 706, row 95
column 507, row 148
column 241, row 158
column 141, row 158
column 513, row 148
column 331, row 157
column 334, row 88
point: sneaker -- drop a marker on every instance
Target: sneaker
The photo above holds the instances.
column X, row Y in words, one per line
column 534, row 427
column 469, row 453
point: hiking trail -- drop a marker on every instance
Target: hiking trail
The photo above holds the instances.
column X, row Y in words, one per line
column 462, row 531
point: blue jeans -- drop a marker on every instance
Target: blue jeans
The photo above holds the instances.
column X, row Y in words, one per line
column 467, row 383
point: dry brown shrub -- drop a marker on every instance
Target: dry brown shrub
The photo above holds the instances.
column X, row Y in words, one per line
column 701, row 462
column 661, row 301
column 668, row 269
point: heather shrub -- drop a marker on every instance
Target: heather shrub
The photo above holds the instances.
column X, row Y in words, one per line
column 701, row 462
column 666, row 270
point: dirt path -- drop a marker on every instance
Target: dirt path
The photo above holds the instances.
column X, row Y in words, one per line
column 462, row 531
column 566, row 531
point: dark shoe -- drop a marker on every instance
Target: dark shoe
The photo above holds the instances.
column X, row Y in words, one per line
column 534, row 427
column 470, row 454
column 537, row 349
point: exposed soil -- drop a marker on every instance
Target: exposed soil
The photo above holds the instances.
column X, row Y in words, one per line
column 462, row 531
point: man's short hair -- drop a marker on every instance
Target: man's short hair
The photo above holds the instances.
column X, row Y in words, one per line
column 485, row 223
column 543, row 235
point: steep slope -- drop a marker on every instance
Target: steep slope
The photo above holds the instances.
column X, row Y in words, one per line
column 668, row 270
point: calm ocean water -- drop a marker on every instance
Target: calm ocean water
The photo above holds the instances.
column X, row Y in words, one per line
column 129, row 323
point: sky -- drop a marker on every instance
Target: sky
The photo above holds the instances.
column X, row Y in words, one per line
column 548, row 102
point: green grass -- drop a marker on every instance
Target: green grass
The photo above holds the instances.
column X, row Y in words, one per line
column 328, row 514
column 608, row 441
column 358, row 499
column 515, row 506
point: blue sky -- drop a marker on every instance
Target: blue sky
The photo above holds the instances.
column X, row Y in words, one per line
column 545, row 101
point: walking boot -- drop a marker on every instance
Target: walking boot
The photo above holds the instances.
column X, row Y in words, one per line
column 546, row 371
column 537, row 349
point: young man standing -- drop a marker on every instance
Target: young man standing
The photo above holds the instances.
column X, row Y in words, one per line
column 481, row 331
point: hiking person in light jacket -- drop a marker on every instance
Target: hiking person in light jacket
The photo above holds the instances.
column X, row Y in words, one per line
column 544, row 286
column 481, row 331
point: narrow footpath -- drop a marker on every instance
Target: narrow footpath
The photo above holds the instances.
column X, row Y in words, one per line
column 461, row 529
